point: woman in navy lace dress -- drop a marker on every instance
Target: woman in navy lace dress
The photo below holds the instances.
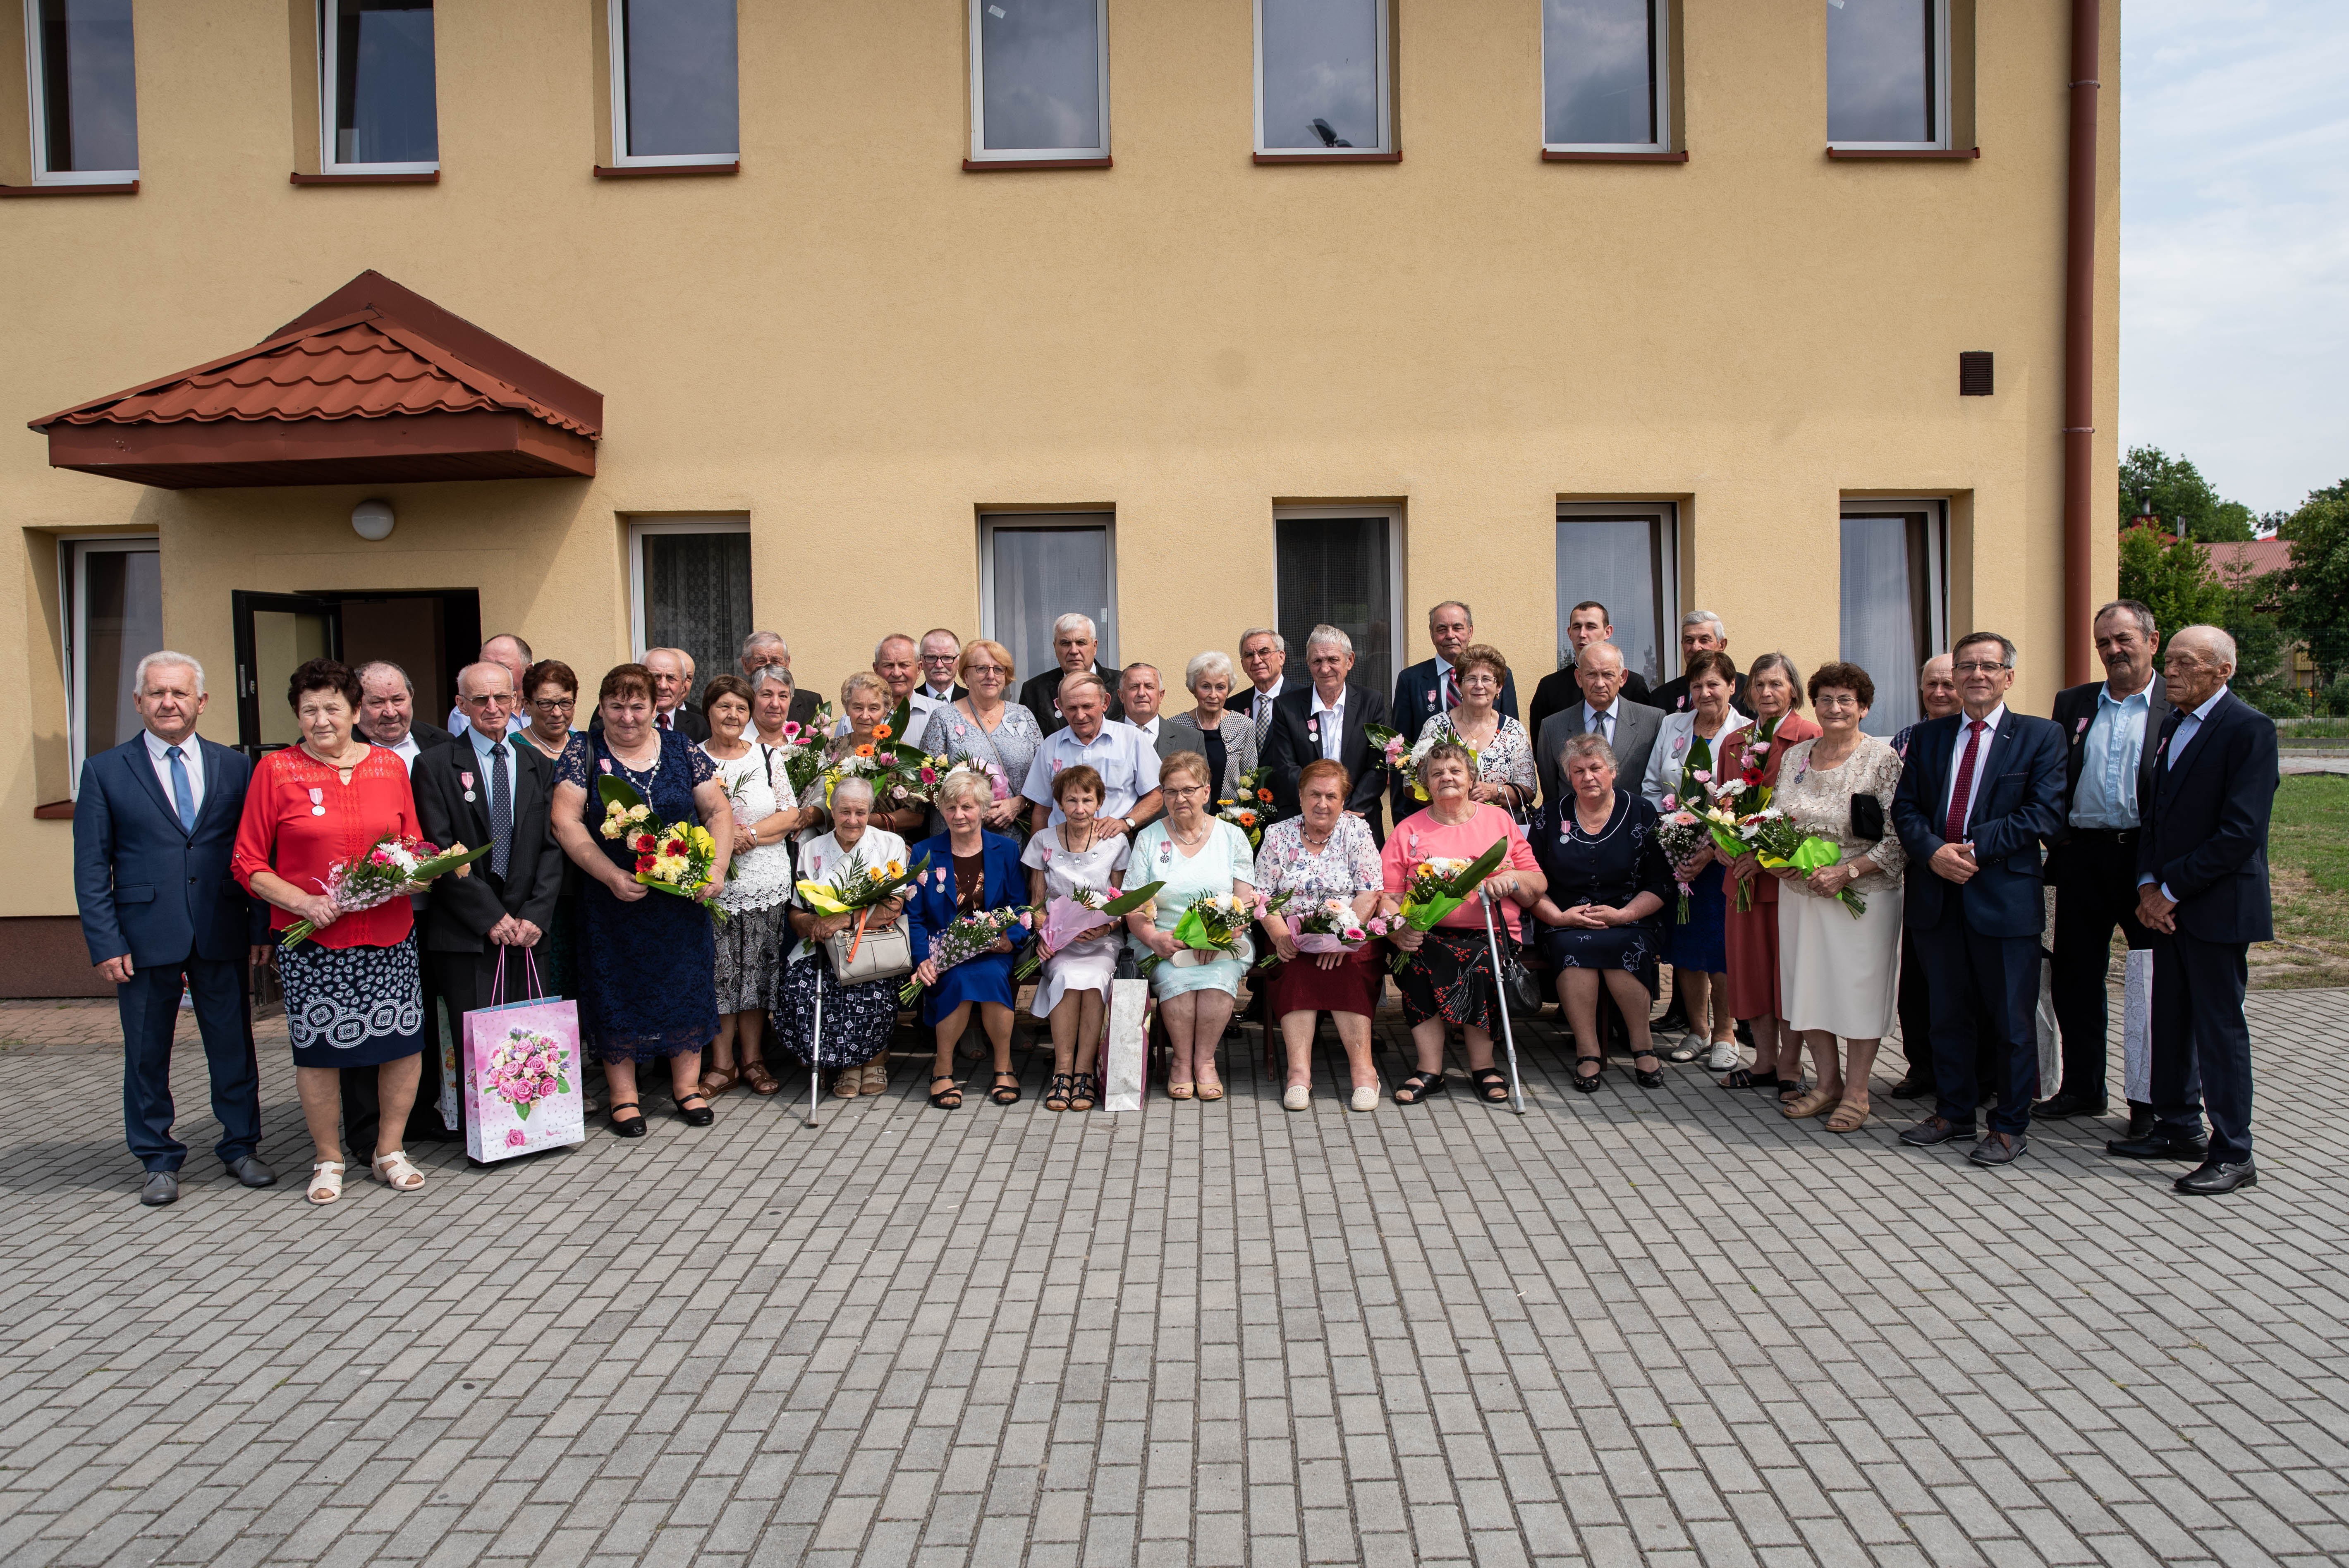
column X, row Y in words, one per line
column 648, row 973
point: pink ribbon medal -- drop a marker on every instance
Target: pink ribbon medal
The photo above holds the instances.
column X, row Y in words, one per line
column 467, row 780
column 318, row 802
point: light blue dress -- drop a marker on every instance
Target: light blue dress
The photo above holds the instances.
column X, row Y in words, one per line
column 1222, row 861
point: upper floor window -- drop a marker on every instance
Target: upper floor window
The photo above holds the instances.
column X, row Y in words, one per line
column 378, row 109
column 1603, row 76
column 1322, row 77
column 1887, row 73
column 1038, row 80
column 674, row 87
column 84, row 95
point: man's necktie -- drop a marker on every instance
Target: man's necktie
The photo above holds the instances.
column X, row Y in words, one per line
column 1450, row 689
column 183, row 797
column 1263, row 720
column 1606, row 727
column 501, row 813
column 664, row 722
column 1954, row 829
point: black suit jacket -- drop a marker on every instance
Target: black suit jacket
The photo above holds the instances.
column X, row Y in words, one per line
column 2018, row 798
column 147, row 886
column 1559, row 691
column 1040, row 695
column 2075, row 709
column 804, row 702
column 1417, row 699
column 460, row 909
column 2206, row 823
column 1292, row 742
column 428, row 736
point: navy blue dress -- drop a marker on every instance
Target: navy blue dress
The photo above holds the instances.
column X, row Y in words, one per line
column 648, row 973
column 934, row 907
column 1612, row 867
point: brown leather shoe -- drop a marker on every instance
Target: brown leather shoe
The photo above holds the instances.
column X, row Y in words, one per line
column 717, row 1080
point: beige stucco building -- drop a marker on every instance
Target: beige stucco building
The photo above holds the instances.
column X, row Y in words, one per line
column 961, row 313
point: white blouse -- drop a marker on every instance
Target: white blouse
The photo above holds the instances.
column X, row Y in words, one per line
column 823, row 861
column 761, row 878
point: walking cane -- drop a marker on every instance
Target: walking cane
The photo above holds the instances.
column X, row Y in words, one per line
column 1501, row 1000
column 815, row 1048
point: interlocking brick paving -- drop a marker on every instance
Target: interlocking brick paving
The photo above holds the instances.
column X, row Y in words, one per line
column 1666, row 1328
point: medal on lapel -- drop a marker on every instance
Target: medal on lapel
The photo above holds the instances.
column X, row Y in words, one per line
column 318, row 802
column 467, row 780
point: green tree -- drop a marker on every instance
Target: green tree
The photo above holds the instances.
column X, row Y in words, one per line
column 2179, row 496
column 2315, row 588
column 2173, row 579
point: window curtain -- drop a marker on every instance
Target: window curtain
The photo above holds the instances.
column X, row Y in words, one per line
column 1616, row 561
column 1334, row 570
column 1883, row 591
column 698, row 597
column 1044, row 573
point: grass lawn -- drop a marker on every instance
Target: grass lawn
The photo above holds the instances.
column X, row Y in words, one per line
column 2308, row 866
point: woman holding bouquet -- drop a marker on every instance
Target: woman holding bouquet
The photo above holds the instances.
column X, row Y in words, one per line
column 1066, row 861
column 1225, row 739
column 1841, row 975
column 1450, row 977
column 354, row 992
column 863, row 750
column 647, row 984
column 856, row 1019
column 1687, row 747
column 982, row 728
column 1774, row 686
column 1325, row 854
column 971, row 871
column 1505, row 757
column 771, row 691
column 750, row 944
column 1196, row 853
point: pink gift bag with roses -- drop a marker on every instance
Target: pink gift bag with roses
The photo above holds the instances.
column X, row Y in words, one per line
column 521, row 1071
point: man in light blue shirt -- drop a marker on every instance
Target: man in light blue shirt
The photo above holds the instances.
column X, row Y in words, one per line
column 1128, row 763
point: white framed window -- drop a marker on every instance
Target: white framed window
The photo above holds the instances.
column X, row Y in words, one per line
column 690, row 587
column 676, row 84
column 1626, row 556
column 1340, row 565
column 1035, row 567
column 1888, row 75
column 1038, row 80
column 1322, row 77
column 111, row 604
column 1895, row 596
column 378, row 106
column 1604, row 75
column 83, row 92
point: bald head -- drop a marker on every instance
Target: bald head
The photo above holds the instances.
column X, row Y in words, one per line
column 1937, row 686
column 1599, row 671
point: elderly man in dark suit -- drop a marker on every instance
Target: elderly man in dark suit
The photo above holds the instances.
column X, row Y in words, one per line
column 1586, row 624
column 485, row 789
column 2109, row 729
column 1605, row 710
column 1326, row 719
column 1701, row 631
column 1074, row 642
column 761, row 649
column 1432, row 686
column 1980, row 791
column 388, row 716
column 154, row 822
column 2202, row 889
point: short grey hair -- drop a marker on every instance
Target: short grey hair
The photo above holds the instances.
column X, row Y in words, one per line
column 1210, row 663
column 166, row 656
column 852, row 781
column 1705, row 618
column 2005, row 647
column 757, row 640
column 1070, row 622
column 2137, row 610
column 375, row 666
column 957, row 785
column 1328, row 636
column 1782, row 663
column 1126, row 673
column 1580, row 745
column 1279, row 643
column 773, row 675
column 1459, row 605
column 903, row 638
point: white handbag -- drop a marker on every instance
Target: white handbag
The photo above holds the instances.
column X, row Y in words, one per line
column 881, row 954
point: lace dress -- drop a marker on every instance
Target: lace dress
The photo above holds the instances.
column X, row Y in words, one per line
column 1506, row 759
column 1837, row 973
column 750, row 944
column 647, row 982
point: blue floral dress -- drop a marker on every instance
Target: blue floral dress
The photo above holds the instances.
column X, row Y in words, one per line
column 648, row 975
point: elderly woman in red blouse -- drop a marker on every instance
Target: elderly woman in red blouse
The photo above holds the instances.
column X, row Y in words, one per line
column 353, row 995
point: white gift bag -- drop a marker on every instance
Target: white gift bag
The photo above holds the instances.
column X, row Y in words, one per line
column 2136, row 1025
column 2051, row 1036
column 1125, row 1055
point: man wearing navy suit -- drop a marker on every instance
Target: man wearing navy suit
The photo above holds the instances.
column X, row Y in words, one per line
column 1432, row 686
column 2202, row 891
column 1982, row 788
column 154, row 824
column 1326, row 719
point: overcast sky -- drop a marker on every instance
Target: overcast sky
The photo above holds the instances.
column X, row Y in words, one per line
column 2235, row 240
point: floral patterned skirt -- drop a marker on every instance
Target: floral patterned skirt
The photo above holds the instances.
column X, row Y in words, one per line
column 353, row 1006
column 1451, row 977
column 857, row 1019
column 751, row 959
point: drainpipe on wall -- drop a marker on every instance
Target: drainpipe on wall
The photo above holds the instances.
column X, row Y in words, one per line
column 2079, row 347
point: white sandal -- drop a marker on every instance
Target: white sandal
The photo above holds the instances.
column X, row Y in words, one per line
column 326, row 1176
column 395, row 1172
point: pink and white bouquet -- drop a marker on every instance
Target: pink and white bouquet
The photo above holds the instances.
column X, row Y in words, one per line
column 1086, row 910
column 1681, row 832
column 392, row 867
column 1331, row 925
column 966, row 938
column 526, row 1068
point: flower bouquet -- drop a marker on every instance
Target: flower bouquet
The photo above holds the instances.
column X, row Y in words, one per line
column 387, row 869
column 526, row 1067
column 674, row 858
column 1266, row 906
column 1681, row 832
column 858, row 888
column 965, row 939
column 1778, row 842
column 1404, row 759
column 1438, row 886
column 1332, row 926
column 1736, row 799
column 1085, row 909
column 1245, row 816
column 1215, row 924
column 801, row 753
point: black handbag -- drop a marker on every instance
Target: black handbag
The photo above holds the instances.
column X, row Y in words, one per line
column 1866, row 817
column 1521, row 990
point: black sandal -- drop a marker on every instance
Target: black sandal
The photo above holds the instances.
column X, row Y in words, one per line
column 1081, row 1097
column 1003, row 1093
column 1419, row 1086
column 1765, row 1083
column 1060, row 1091
column 632, row 1127
column 1587, row 1083
column 693, row 1118
column 1491, row 1085
column 948, row 1098
column 1650, row 1077
column 1739, row 1077
column 1791, row 1089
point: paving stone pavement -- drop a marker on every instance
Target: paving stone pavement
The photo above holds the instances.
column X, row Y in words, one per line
column 1668, row 1327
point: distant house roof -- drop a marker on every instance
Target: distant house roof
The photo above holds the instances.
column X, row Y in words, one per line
column 2259, row 558
column 375, row 383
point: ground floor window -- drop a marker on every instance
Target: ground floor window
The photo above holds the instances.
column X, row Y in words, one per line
column 690, row 587
column 1336, row 566
column 113, row 617
column 1625, row 557
column 1034, row 568
column 1895, row 599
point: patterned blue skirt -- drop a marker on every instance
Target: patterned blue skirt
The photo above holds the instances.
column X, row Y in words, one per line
column 352, row 1007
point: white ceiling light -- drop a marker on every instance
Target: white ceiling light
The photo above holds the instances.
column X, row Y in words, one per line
column 372, row 519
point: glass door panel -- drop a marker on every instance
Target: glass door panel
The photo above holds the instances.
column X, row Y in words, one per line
column 1041, row 567
column 1887, row 601
column 114, row 618
column 1621, row 563
column 276, row 634
column 1338, row 571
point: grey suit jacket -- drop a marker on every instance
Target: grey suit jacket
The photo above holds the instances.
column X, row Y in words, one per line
column 1636, row 729
column 1180, row 732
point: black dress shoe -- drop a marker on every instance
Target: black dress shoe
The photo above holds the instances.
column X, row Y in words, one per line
column 1934, row 1129
column 2216, row 1177
column 2159, row 1145
column 2063, row 1105
column 249, row 1170
column 1998, row 1149
column 1909, row 1087
column 161, row 1187
column 696, row 1115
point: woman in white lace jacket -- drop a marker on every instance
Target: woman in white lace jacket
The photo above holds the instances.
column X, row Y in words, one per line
column 750, row 942
column 1839, row 970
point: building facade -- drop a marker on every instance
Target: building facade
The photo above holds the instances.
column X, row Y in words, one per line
column 692, row 316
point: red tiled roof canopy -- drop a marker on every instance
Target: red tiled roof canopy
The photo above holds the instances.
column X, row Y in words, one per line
column 373, row 384
column 2259, row 558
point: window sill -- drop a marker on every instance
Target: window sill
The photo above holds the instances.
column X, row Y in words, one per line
column 663, row 171
column 118, row 188
column 54, row 812
column 1329, row 157
column 1553, row 155
column 431, row 178
column 993, row 165
column 1930, row 154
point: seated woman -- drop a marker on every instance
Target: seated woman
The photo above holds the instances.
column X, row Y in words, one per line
column 1504, row 756
column 1323, row 855
column 1450, row 978
column 1195, row 854
column 1073, row 997
column 856, row 1019
column 972, row 871
column 1608, row 882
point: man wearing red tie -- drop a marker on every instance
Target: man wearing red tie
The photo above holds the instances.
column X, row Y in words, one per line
column 672, row 671
column 1982, row 788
